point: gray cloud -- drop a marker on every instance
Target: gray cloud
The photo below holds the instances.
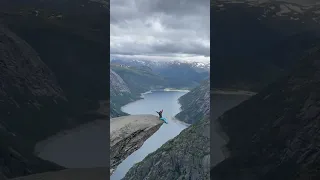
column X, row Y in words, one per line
column 160, row 28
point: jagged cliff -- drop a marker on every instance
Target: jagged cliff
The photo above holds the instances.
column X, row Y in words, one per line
column 128, row 133
column 275, row 134
column 195, row 104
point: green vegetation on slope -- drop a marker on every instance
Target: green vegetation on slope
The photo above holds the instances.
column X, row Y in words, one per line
column 117, row 102
column 139, row 80
column 195, row 104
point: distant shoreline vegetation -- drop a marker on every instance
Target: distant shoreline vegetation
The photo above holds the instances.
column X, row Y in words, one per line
column 174, row 89
column 233, row 92
column 168, row 89
column 164, row 89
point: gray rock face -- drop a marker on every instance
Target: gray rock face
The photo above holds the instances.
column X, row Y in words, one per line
column 187, row 156
column 120, row 94
column 195, row 104
column 275, row 134
column 117, row 85
column 128, row 133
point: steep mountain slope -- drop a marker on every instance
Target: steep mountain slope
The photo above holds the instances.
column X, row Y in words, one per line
column 269, row 36
column 182, row 75
column 70, row 39
column 28, row 91
column 186, row 156
column 138, row 80
column 195, row 104
column 275, row 134
column 53, row 75
column 120, row 94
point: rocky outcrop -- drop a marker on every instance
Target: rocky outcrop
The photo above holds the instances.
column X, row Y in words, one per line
column 195, row 104
column 128, row 133
column 69, row 174
column 275, row 134
column 187, row 156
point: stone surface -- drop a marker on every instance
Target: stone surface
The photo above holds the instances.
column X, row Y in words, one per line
column 128, row 133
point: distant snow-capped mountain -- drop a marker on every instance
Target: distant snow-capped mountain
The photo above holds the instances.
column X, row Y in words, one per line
column 200, row 66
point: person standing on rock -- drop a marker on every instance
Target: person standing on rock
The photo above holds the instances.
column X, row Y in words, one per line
column 160, row 113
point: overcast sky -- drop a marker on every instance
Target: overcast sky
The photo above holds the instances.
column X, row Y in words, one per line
column 160, row 29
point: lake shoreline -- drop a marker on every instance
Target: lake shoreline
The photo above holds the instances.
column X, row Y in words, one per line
column 217, row 128
column 41, row 144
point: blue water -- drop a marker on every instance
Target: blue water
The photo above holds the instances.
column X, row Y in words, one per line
column 152, row 102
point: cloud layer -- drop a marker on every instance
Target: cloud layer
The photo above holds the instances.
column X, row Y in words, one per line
column 160, row 29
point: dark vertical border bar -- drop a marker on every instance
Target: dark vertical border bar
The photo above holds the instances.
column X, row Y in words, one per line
column 211, row 99
column 108, row 93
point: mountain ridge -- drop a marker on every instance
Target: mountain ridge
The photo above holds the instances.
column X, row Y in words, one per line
column 195, row 104
column 282, row 144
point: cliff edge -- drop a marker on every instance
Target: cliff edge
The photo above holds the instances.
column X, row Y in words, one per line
column 128, row 133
